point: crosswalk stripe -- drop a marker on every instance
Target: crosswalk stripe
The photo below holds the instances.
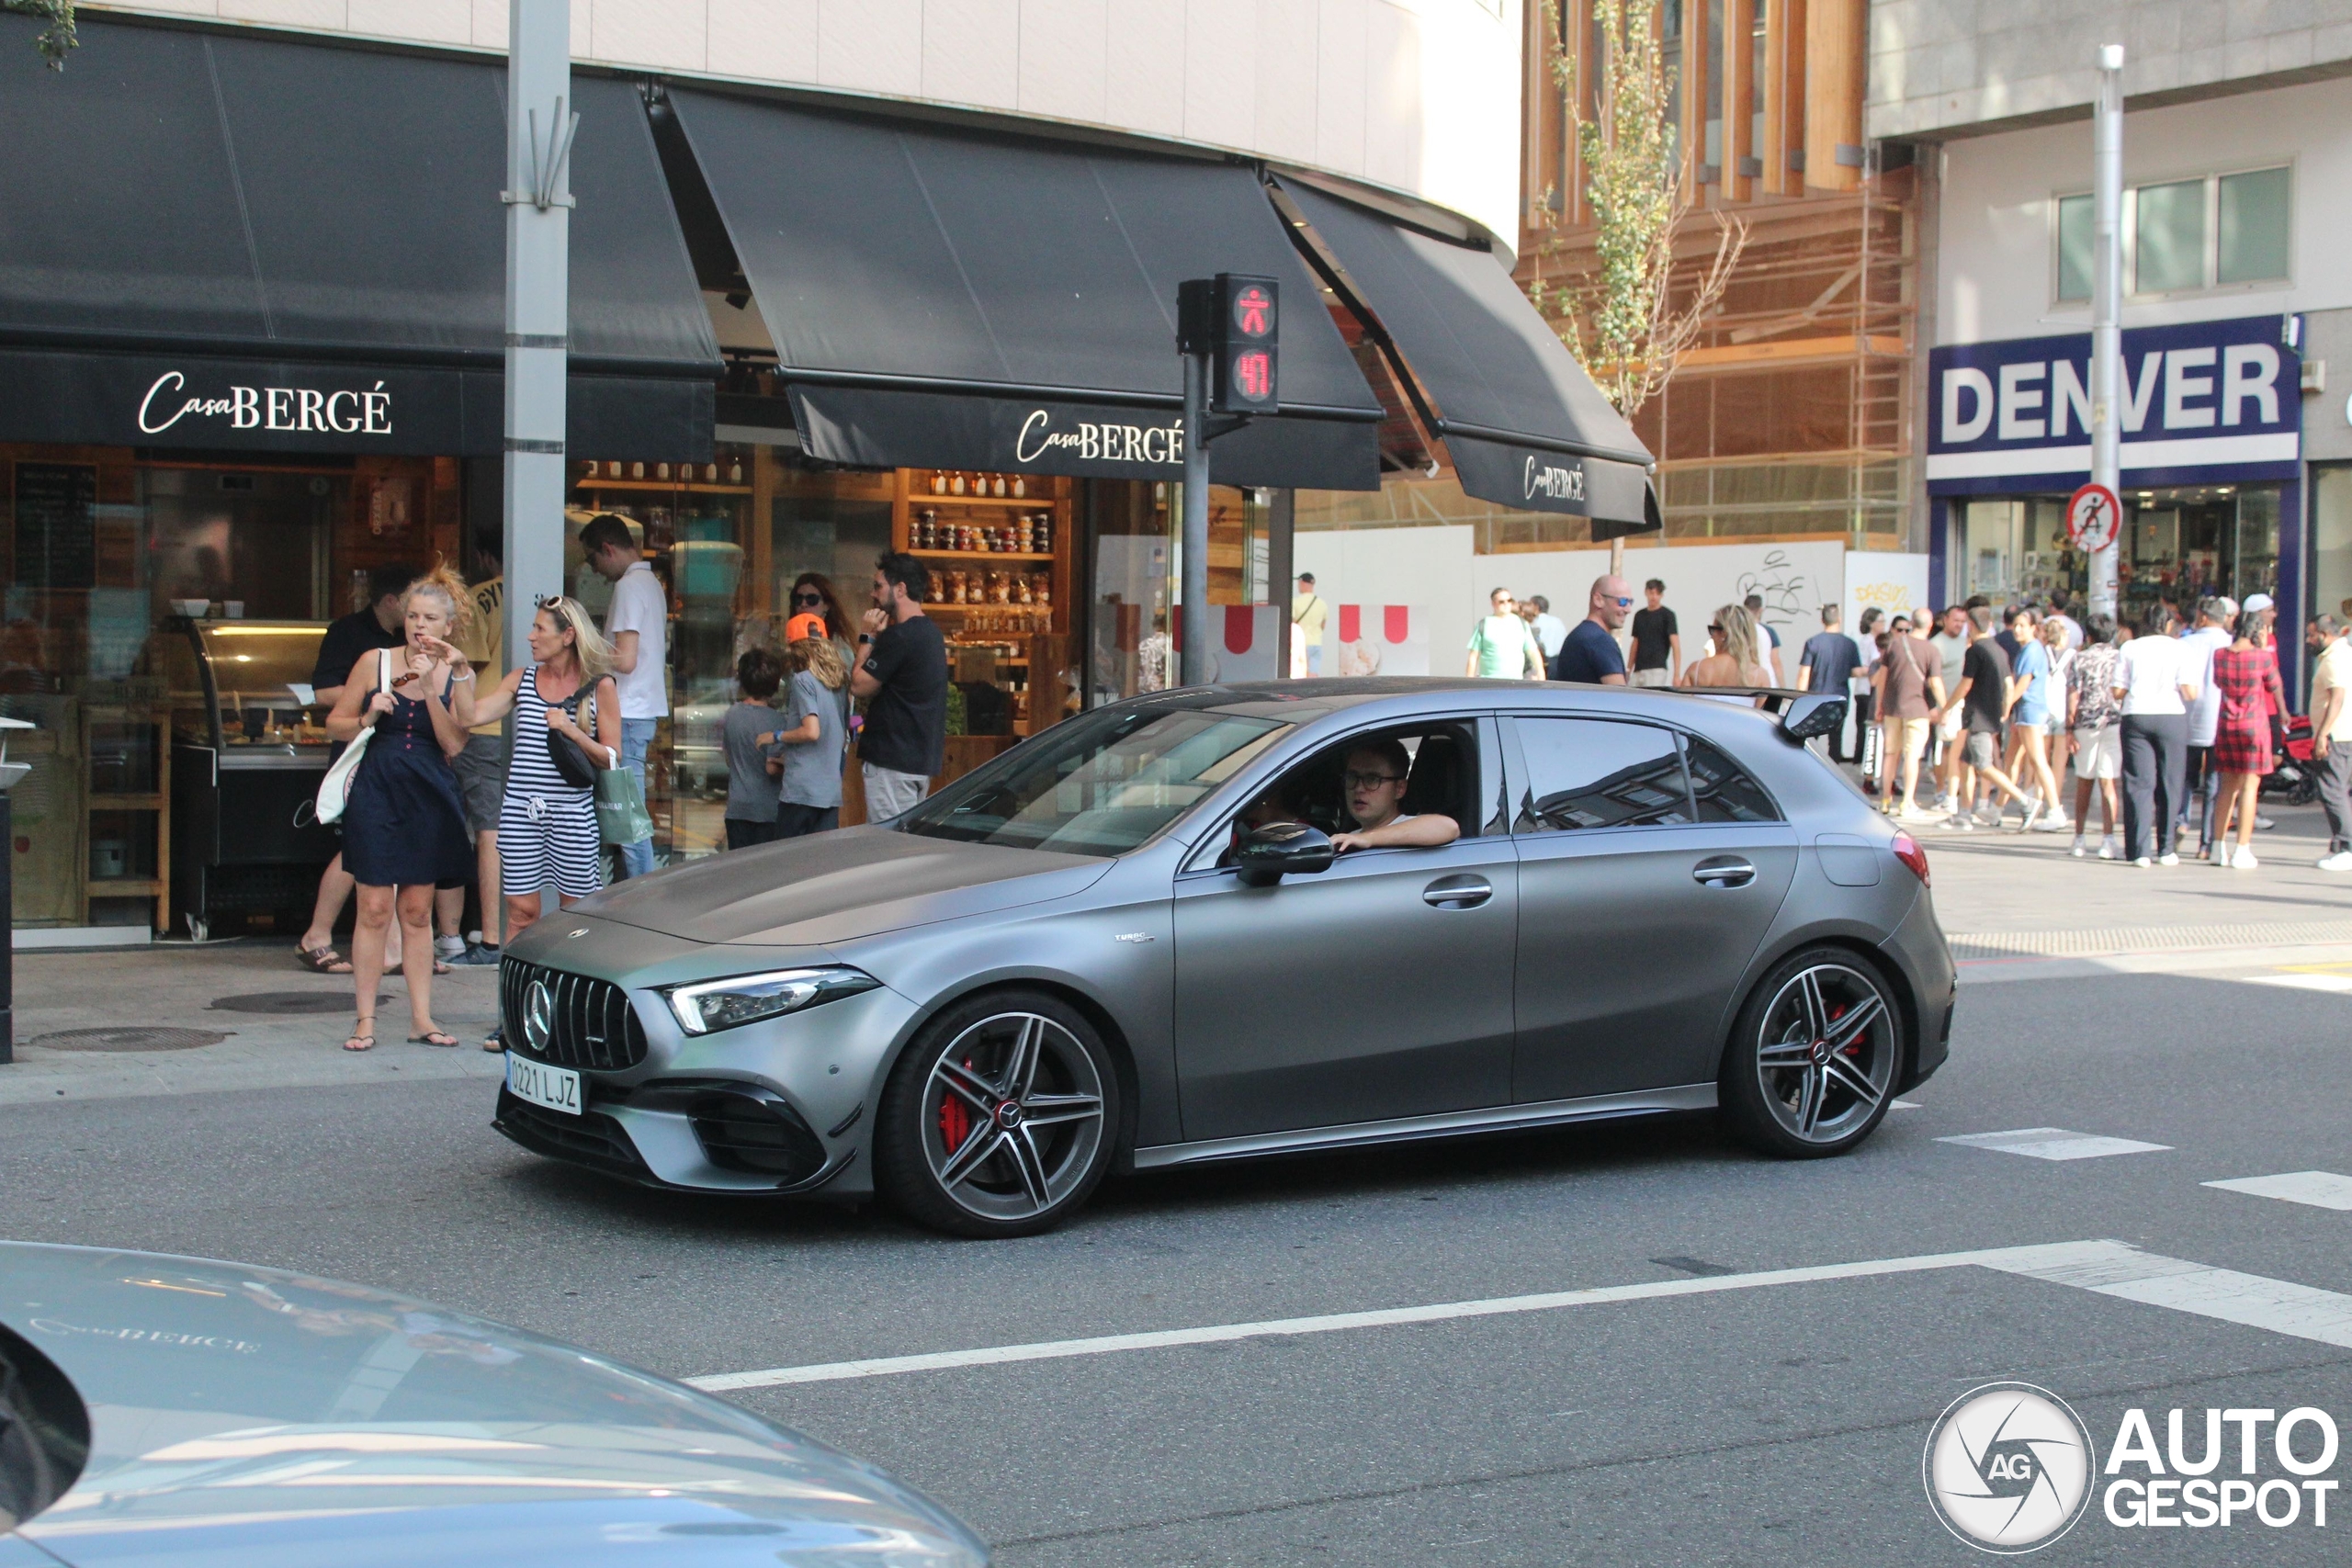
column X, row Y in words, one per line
column 2320, row 1189
column 2107, row 1268
column 2337, row 984
column 2052, row 1143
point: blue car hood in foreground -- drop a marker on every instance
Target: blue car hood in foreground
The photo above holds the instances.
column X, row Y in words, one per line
column 246, row 1417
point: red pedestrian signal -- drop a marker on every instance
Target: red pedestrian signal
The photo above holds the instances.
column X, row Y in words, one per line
column 1236, row 321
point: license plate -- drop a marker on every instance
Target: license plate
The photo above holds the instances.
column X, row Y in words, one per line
column 558, row 1089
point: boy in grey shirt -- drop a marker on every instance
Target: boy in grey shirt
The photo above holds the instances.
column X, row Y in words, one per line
column 751, row 785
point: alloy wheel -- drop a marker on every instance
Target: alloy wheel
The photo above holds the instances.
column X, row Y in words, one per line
column 1824, row 1052
column 1013, row 1117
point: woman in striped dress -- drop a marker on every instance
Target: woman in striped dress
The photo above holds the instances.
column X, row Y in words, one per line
column 546, row 825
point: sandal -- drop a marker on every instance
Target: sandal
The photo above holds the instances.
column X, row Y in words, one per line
column 440, row 1037
column 496, row 1042
column 364, row 1033
column 322, row 960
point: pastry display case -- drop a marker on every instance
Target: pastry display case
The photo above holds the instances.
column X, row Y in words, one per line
column 249, row 748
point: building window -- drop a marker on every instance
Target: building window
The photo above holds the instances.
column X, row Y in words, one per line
column 2168, row 238
column 2075, row 258
column 2253, row 225
column 2184, row 235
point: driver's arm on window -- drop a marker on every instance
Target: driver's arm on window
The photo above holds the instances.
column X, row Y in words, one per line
column 1427, row 831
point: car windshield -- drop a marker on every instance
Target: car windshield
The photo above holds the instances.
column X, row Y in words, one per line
column 1098, row 785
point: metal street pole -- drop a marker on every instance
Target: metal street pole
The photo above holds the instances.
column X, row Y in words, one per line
column 539, row 126
column 1194, row 588
column 2106, row 313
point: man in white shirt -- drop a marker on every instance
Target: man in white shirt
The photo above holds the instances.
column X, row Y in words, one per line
column 2332, row 735
column 2211, row 634
column 1550, row 630
column 638, row 625
column 2155, row 692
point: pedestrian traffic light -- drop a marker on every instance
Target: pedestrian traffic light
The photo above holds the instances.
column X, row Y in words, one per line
column 1235, row 319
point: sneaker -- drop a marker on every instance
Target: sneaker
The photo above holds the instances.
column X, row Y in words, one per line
column 449, row 949
column 2110, row 847
column 2051, row 822
column 2144, row 863
column 2340, row 861
column 1991, row 820
column 2078, row 851
column 1961, row 822
column 2168, row 859
column 2263, row 823
column 1914, row 812
column 2242, row 861
column 480, row 957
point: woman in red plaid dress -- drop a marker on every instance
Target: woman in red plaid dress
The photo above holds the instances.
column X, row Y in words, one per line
column 2244, row 672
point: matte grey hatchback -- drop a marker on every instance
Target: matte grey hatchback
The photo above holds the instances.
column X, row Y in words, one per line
column 1129, row 943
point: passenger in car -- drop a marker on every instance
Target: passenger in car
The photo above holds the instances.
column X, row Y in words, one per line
column 1372, row 784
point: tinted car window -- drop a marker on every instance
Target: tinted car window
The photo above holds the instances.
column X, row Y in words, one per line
column 1097, row 784
column 1723, row 790
column 1588, row 772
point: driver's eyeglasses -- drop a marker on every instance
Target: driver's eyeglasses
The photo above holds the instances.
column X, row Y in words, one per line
column 1370, row 780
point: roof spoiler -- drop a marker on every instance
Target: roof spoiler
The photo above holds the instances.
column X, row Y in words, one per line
column 1803, row 715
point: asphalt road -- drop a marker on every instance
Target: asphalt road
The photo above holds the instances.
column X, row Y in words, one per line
column 1771, row 1423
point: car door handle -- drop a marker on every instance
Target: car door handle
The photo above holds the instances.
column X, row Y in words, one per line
column 1723, row 870
column 1457, row 893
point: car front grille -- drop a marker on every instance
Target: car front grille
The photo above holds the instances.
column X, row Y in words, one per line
column 591, row 1023
column 595, row 1139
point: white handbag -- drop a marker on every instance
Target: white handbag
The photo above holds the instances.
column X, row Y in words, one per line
column 334, row 790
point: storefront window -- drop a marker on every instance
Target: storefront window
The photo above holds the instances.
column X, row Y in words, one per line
column 118, row 565
column 2332, row 541
column 1138, row 576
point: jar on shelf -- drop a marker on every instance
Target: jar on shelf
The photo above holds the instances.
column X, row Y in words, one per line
column 661, row 470
column 938, row 483
column 956, row 485
column 998, row 487
column 1020, row 486
column 735, row 472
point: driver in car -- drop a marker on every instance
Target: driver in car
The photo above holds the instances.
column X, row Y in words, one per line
column 1374, row 786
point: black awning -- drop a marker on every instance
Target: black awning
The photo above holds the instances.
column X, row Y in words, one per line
column 930, row 290
column 280, row 203
column 1523, row 424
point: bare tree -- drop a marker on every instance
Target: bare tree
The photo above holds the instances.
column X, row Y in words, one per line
column 57, row 38
column 1623, row 318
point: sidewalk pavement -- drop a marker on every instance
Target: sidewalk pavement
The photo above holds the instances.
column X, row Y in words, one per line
column 179, row 985
column 2015, row 904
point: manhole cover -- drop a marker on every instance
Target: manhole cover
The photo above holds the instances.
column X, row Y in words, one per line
column 129, row 1039
column 290, row 1002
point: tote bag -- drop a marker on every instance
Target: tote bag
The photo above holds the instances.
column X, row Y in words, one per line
column 334, row 790
column 621, row 816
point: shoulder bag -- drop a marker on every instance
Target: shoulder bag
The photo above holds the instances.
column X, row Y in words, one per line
column 621, row 816
column 334, row 790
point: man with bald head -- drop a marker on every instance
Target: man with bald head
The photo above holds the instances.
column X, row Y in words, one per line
column 1591, row 653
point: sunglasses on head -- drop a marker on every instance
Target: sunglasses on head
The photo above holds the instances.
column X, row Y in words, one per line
column 548, row 601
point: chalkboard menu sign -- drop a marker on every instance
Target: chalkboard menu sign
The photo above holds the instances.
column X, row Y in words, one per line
column 56, row 538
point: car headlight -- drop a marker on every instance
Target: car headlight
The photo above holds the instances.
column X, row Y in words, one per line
column 709, row 1006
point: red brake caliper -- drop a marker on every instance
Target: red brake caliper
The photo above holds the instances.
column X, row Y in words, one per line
column 955, row 1121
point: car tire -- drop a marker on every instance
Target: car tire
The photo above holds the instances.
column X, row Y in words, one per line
column 1022, row 1070
column 1814, row 1056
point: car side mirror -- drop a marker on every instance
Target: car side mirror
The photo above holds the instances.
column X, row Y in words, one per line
column 1268, row 854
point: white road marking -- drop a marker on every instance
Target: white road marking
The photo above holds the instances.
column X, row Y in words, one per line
column 2110, row 1267
column 2320, row 1189
column 2053, row 1142
column 2337, row 983
column 1904, row 1105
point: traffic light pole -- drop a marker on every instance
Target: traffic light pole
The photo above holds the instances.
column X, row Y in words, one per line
column 1193, row 590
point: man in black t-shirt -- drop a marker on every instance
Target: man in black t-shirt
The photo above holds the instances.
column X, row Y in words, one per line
column 903, row 679
column 1657, row 640
column 1983, row 698
column 380, row 624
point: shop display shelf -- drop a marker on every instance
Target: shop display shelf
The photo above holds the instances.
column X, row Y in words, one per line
column 920, row 498
column 984, row 555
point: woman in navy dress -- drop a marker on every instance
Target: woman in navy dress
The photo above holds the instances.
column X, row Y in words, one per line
column 404, row 824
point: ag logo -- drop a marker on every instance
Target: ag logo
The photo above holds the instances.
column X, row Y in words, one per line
column 538, row 1015
column 2008, row 1467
